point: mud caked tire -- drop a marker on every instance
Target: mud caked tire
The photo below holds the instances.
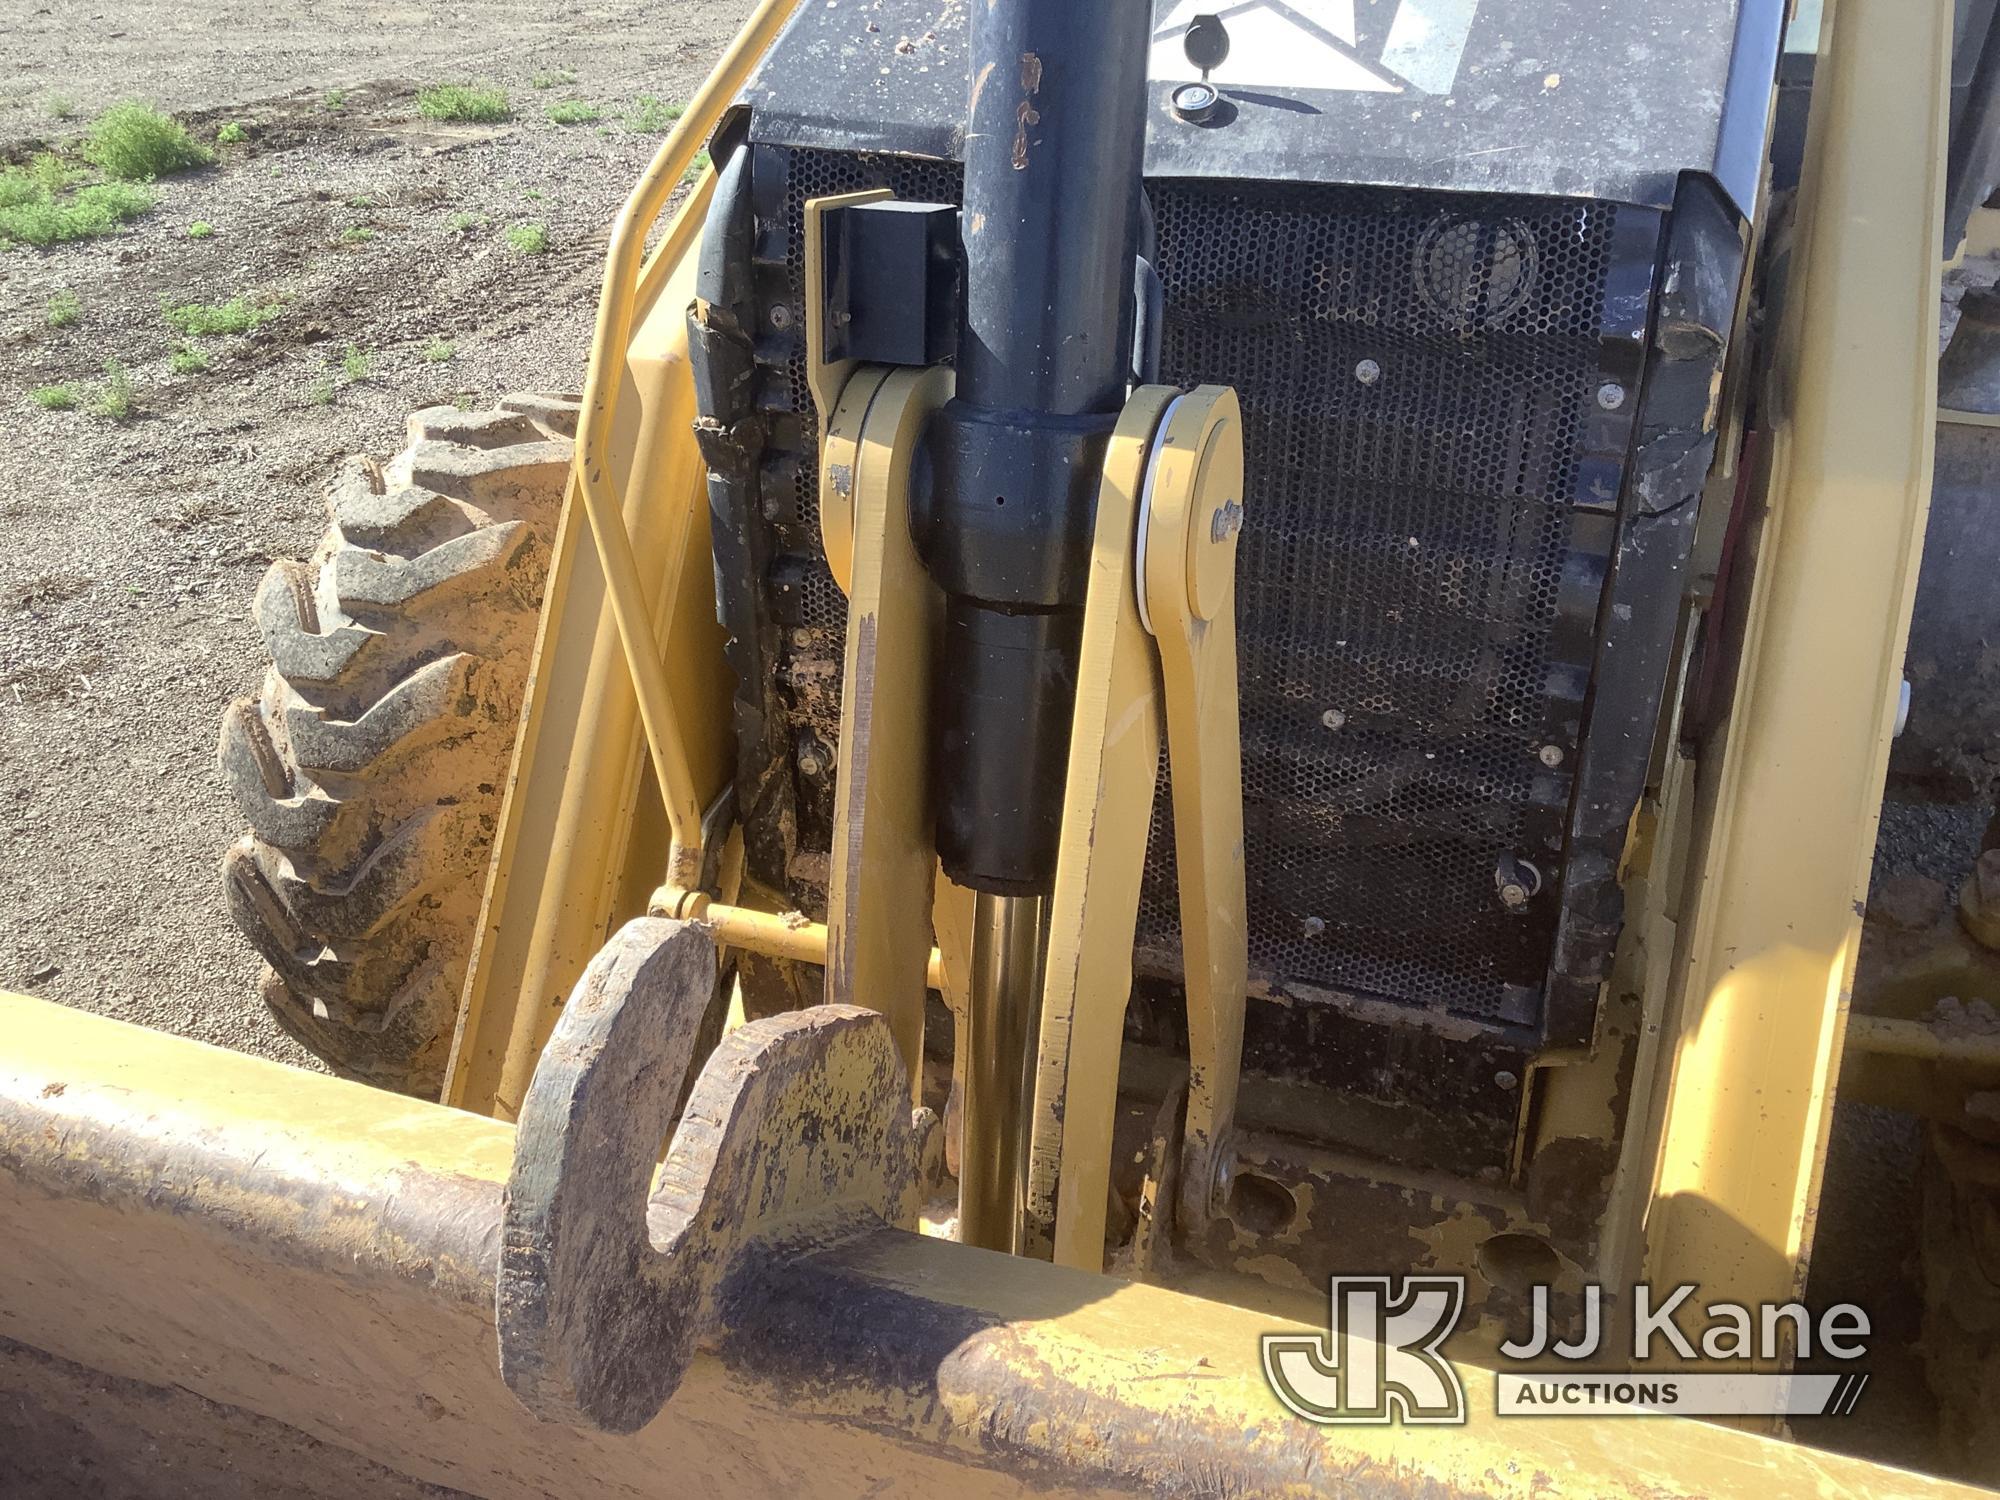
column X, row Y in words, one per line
column 370, row 765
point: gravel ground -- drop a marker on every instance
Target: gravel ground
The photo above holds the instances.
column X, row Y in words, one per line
column 132, row 549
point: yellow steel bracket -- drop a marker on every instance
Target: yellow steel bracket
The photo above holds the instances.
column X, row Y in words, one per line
column 884, row 856
column 1159, row 630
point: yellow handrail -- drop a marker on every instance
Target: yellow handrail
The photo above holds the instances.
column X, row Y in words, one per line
column 624, row 262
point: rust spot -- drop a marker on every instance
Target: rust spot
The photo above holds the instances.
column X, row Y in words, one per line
column 1025, row 113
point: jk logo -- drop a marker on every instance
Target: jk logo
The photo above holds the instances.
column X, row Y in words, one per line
column 1379, row 1361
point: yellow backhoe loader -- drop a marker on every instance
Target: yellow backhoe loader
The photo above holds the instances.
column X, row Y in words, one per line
column 1165, row 789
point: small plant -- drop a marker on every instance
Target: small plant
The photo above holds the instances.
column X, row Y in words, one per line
column 55, row 397
column 201, row 229
column 32, row 214
column 64, row 309
column 354, row 364
column 554, row 79
column 336, row 99
column 574, row 112
column 116, row 399
column 527, row 239
column 137, row 143
column 699, row 165
column 361, row 200
column 534, row 195
column 60, row 107
column 320, row 392
column 231, row 134
column 652, row 115
column 466, row 223
column 187, row 360
column 437, row 351
column 356, row 234
column 479, row 103
column 206, row 320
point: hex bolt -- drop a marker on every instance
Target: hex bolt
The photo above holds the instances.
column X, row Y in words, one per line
column 1611, row 395
column 1368, row 372
column 1333, row 718
column 1550, row 756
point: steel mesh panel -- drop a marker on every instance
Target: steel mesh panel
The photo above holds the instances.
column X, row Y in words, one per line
column 1414, row 372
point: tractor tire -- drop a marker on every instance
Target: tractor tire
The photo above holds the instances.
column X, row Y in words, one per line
column 1961, row 1276
column 371, row 764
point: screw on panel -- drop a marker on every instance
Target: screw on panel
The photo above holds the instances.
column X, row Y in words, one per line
column 1611, row 395
column 781, row 315
column 1551, row 756
column 1314, row 926
column 1505, row 1079
column 1368, row 372
column 1333, row 718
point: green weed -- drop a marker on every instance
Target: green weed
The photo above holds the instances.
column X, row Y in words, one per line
column 574, row 112
column 201, row 229
column 116, row 399
column 231, row 134
column 36, row 216
column 336, row 99
column 652, row 115
column 137, row 143
column 60, row 107
column 55, row 397
column 64, row 309
column 554, row 79
column 187, row 360
column 527, row 239
column 206, row 320
column 479, row 103
column 320, row 392
column 354, row 364
column 699, row 165
column 437, row 351
column 356, row 234
column 466, row 223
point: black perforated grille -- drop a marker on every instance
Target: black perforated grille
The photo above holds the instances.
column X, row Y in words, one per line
column 1414, row 373
column 1415, row 370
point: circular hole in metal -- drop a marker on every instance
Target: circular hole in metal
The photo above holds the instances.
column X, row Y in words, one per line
column 1474, row 272
column 1260, row 1204
column 1516, row 1262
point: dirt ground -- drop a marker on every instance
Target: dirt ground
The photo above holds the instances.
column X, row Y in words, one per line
column 131, row 549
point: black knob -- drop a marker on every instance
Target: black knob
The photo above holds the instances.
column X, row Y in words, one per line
column 1207, row 42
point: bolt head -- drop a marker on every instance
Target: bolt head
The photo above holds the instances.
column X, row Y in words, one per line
column 1368, row 372
column 1333, row 718
column 781, row 315
column 809, row 763
column 1550, row 756
column 1506, row 1080
column 1513, row 897
column 1611, row 395
column 1313, row 926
